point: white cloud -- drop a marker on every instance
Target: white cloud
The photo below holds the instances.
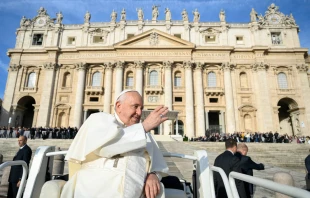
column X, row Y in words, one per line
column 3, row 66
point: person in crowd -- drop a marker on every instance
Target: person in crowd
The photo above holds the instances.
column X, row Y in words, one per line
column 247, row 165
column 307, row 164
column 228, row 162
column 130, row 159
column 24, row 153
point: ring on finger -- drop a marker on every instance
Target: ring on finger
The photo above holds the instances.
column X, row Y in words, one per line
column 161, row 115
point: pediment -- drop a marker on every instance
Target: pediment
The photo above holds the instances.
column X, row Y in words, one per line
column 154, row 39
column 210, row 31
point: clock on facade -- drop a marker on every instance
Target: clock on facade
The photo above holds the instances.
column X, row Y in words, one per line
column 274, row 19
column 41, row 21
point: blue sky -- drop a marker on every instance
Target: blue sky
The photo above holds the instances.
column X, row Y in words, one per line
column 11, row 11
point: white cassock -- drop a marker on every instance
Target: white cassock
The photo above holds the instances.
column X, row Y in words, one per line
column 113, row 160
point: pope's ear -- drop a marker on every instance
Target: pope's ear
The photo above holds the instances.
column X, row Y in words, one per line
column 117, row 105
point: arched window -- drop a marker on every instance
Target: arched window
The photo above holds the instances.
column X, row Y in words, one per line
column 243, row 80
column 282, row 81
column 153, row 78
column 211, row 79
column 66, row 80
column 129, row 79
column 177, row 79
column 31, row 80
column 96, row 80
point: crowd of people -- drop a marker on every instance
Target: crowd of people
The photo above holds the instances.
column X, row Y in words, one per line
column 257, row 137
column 39, row 132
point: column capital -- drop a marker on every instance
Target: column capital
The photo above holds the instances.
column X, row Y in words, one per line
column 50, row 66
column 139, row 64
column 199, row 66
column 119, row 64
column 80, row 66
column 302, row 67
column 108, row 65
column 260, row 66
column 167, row 64
column 14, row 67
column 187, row 64
column 228, row 66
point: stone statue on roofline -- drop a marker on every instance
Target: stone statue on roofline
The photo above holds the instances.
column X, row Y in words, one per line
column 155, row 12
column 168, row 14
column 140, row 14
column 184, row 15
column 113, row 16
column 123, row 15
column 196, row 15
column 59, row 18
column 222, row 15
column 253, row 15
column 87, row 17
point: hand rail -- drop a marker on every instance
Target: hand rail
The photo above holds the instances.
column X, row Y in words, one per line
column 271, row 185
column 56, row 153
column 225, row 181
column 25, row 173
column 179, row 156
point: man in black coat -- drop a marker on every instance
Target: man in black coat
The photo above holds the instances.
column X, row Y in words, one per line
column 307, row 164
column 228, row 162
column 247, row 165
column 24, row 153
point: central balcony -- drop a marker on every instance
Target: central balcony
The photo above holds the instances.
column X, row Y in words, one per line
column 94, row 90
column 154, row 89
column 214, row 91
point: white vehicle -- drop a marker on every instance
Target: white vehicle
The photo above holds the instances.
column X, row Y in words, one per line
column 40, row 184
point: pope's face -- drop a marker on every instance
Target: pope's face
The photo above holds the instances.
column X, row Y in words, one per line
column 130, row 109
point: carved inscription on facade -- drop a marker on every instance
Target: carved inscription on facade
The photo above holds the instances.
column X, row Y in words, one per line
column 155, row 53
column 88, row 55
column 211, row 55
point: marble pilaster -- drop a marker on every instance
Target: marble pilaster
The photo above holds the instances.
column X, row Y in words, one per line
column 47, row 95
column 107, row 87
column 200, row 118
column 139, row 76
column 189, row 105
column 168, row 93
column 119, row 67
column 229, row 99
column 79, row 97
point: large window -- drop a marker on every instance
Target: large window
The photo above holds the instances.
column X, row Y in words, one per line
column 211, row 79
column 177, row 79
column 31, row 80
column 37, row 39
column 153, row 78
column 282, row 81
column 96, row 80
column 129, row 79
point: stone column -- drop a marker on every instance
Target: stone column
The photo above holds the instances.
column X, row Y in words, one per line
column 47, row 94
column 221, row 116
column 168, row 93
column 189, row 105
column 264, row 107
column 119, row 78
column 207, row 119
column 229, row 99
column 305, row 95
column 139, row 76
column 200, row 115
column 9, row 94
column 108, row 87
column 79, row 97
column 35, row 116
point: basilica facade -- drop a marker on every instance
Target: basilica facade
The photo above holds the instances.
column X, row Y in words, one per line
column 218, row 76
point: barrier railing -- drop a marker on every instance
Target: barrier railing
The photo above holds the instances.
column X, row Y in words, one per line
column 271, row 185
column 25, row 173
column 225, row 181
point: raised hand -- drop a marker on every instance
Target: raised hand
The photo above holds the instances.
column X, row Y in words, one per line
column 155, row 118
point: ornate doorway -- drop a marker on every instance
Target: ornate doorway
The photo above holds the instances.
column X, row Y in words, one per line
column 25, row 112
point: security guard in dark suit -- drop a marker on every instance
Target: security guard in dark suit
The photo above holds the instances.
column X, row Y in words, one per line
column 24, row 153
